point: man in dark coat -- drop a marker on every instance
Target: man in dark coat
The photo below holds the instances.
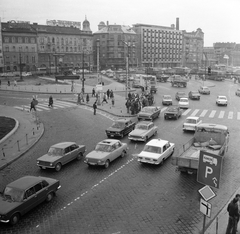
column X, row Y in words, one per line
column 233, row 215
column 94, row 107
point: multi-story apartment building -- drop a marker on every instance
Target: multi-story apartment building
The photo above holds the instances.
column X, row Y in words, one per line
column 32, row 46
column 192, row 54
column 114, row 45
column 1, row 49
column 67, row 47
column 158, row 46
column 19, row 42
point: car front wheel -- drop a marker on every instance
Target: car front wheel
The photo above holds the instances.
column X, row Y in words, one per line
column 49, row 197
column 106, row 165
column 79, row 157
column 14, row 219
column 123, row 154
column 58, row 167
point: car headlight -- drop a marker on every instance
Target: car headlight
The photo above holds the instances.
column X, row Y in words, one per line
column 51, row 164
column 37, row 162
column 99, row 161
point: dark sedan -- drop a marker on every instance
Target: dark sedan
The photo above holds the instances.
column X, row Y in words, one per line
column 180, row 95
column 22, row 195
column 173, row 112
column 194, row 95
column 121, row 127
column 149, row 113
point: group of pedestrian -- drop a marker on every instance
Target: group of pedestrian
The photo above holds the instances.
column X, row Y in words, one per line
column 135, row 102
column 234, row 215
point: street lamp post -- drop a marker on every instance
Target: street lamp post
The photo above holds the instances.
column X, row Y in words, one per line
column 127, row 69
column 20, row 65
column 83, row 72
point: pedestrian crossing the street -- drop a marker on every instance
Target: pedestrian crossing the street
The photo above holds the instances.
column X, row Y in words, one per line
column 43, row 106
column 210, row 113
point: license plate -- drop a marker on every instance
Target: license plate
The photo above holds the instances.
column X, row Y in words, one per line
column 43, row 167
column 112, row 135
column 92, row 163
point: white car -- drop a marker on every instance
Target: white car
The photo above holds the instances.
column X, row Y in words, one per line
column 183, row 103
column 156, row 151
column 191, row 123
column 222, row 100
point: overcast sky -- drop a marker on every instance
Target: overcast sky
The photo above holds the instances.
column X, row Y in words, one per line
column 218, row 19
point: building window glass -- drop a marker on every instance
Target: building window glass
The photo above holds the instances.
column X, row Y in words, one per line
column 6, row 39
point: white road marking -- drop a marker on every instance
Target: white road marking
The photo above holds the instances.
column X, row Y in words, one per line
column 203, row 113
column 186, row 112
column 221, row 115
column 195, row 112
column 42, row 107
column 238, row 115
column 230, row 115
column 163, row 109
column 212, row 114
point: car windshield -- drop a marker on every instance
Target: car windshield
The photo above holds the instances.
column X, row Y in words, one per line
column 194, row 92
column 183, row 100
column 55, row 151
column 181, row 94
column 13, row 194
column 103, row 148
column 192, row 121
column 172, row 109
column 224, row 98
column 120, row 125
column 147, row 109
column 152, row 149
column 141, row 126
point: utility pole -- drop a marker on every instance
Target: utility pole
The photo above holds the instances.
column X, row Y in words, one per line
column 83, row 72
column 20, row 66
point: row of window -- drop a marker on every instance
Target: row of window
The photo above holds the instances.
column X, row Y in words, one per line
column 19, row 39
column 19, row 49
column 16, row 59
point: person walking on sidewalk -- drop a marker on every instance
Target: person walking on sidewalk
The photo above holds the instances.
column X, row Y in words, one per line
column 94, row 107
column 33, row 103
column 104, row 98
column 93, row 92
column 50, row 102
column 233, row 215
column 87, row 98
column 108, row 93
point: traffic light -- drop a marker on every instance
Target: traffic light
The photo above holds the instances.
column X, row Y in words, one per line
column 209, row 71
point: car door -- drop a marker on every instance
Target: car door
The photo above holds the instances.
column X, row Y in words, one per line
column 66, row 155
column 30, row 200
column 40, row 192
column 150, row 130
column 167, row 151
column 73, row 151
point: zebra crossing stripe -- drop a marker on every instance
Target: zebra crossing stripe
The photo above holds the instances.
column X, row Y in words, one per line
column 212, row 114
column 195, row 112
column 186, row 112
column 66, row 103
column 56, row 106
column 163, row 109
column 203, row 113
column 42, row 107
column 221, row 115
column 230, row 115
column 238, row 115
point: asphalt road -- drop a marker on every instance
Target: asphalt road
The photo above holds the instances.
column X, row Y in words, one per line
column 128, row 197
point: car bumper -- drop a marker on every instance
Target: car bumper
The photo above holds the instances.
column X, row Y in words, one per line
column 189, row 128
column 97, row 163
column 183, row 107
column 167, row 103
column 148, row 160
column 45, row 166
column 136, row 138
column 222, row 103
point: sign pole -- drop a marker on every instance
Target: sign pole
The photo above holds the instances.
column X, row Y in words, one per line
column 204, row 221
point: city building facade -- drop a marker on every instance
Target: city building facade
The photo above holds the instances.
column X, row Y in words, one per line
column 192, row 53
column 50, row 47
column 159, row 46
column 114, row 45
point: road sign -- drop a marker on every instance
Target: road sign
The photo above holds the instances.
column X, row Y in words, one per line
column 209, row 169
column 205, row 208
column 207, row 193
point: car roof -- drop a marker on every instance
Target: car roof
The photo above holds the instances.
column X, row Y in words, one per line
column 157, row 142
column 144, row 123
column 25, row 182
column 192, row 117
column 166, row 95
column 221, row 96
column 63, row 145
column 108, row 142
column 205, row 87
column 123, row 120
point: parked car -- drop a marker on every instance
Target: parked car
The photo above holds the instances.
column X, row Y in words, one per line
column 167, row 100
column 156, row 151
column 191, row 123
column 204, row 90
column 173, row 112
column 143, row 131
column 149, row 113
column 194, row 95
column 180, row 95
column 183, row 103
column 60, row 154
column 238, row 92
column 222, row 100
column 121, row 127
column 24, row 194
column 105, row 152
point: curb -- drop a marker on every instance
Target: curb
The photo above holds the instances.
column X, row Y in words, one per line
column 25, row 151
column 12, row 131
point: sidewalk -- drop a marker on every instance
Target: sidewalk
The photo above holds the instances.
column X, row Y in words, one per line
column 28, row 131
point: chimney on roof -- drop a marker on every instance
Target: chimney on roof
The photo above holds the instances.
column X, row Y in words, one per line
column 107, row 23
column 177, row 23
column 172, row 26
